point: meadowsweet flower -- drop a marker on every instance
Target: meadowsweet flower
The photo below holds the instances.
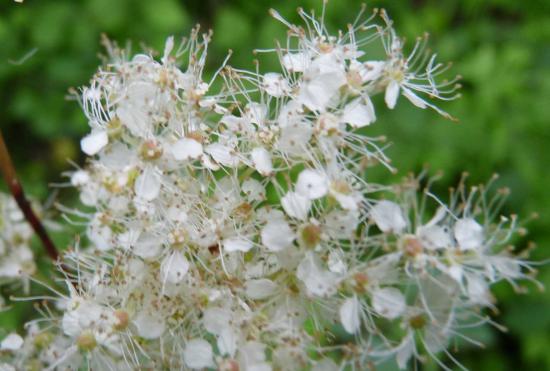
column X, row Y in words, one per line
column 235, row 229
column 16, row 256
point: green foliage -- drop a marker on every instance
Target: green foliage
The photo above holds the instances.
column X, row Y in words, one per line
column 500, row 48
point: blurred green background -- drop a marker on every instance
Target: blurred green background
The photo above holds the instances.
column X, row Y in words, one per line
column 500, row 47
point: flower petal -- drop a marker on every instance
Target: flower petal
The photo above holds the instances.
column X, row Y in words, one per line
column 94, row 142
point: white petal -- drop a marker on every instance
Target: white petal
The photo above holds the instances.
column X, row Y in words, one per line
column 275, row 84
column 317, row 92
column 477, row 289
column 347, row 202
column 236, row 244
column 455, row 271
column 372, row 70
column 186, row 148
column 222, row 154
column 296, row 62
column 296, row 205
column 198, row 354
column 11, row 342
column 405, row 351
column 260, row 289
column 256, row 112
column 147, row 246
column 413, row 98
column 94, row 142
column 253, row 189
column 216, row 319
column 227, row 342
column 336, row 263
column 208, row 163
column 174, row 267
column 148, row 183
column 388, row 216
column 80, row 178
column 350, row 315
column 261, row 158
column 389, row 302
column 318, row 281
column 392, row 93
column 294, row 138
column 341, row 224
column 277, row 235
column 149, row 326
column 358, row 114
column 312, row 184
column 468, row 234
column 434, row 237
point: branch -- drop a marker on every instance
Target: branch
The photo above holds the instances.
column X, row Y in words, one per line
column 10, row 176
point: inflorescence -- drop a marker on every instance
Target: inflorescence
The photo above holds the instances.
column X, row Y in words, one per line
column 236, row 229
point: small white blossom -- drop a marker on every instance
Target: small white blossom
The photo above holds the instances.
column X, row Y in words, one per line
column 198, row 354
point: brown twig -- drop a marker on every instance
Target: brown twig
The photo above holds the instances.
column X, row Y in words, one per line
column 10, row 176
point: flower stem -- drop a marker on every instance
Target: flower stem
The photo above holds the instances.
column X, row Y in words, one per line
column 10, row 176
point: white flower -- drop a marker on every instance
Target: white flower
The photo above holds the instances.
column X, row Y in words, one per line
column 11, row 342
column 350, row 314
column 468, row 234
column 312, row 184
column 277, row 235
column 296, row 205
column 261, row 158
column 134, row 110
column 186, row 148
column 388, row 216
column 80, row 178
column 174, row 267
column 296, row 62
column 321, row 82
column 389, row 302
column 275, row 84
column 198, row 354
column 94, row 142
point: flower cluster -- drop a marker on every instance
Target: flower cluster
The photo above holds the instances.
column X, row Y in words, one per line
column 16, row 256
column 235, row 229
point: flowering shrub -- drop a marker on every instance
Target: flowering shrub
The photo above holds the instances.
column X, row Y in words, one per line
column 237, row 229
